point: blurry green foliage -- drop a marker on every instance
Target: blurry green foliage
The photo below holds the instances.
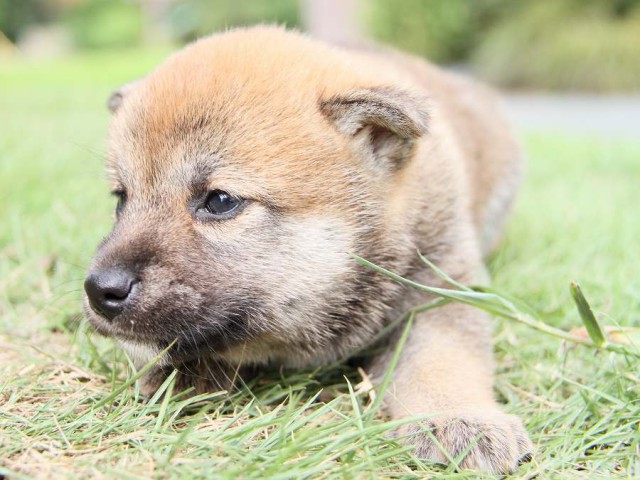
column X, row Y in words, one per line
column 442, row 30
column 573, row 44
column 191, row 19
column 556, row 44
column 17, row 14
column 99, row 24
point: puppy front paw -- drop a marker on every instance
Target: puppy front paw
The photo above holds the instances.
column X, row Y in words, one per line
column 491, row 441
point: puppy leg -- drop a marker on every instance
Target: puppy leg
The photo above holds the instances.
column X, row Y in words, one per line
column 446, row 372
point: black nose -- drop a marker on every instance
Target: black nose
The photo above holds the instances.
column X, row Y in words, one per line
column 110, row 290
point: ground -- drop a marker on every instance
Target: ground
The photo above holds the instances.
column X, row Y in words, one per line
column 68, row 406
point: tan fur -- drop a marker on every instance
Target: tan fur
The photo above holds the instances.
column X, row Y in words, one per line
column 337, row 151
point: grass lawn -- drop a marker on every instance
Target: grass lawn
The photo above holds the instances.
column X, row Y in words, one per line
column 67, row 405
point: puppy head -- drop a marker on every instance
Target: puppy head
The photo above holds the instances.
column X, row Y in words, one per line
column 247, row 167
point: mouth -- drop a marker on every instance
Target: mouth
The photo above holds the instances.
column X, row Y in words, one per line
column 142, row 353
column 141, row 348
column 185, row 344
column 110, row 328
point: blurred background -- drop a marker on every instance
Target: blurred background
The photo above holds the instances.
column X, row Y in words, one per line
column 577, row 45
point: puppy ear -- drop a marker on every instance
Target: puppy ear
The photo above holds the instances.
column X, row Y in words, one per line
column 386, row 120
column 117, row 98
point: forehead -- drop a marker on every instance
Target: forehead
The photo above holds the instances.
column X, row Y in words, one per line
column 270, row 148
column 198, row 141
column 234, row 109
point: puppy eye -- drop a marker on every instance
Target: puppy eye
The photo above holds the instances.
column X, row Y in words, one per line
column 122, row 199
column 221, row 204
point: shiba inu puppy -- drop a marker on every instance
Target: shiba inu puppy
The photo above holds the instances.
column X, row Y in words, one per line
column 250, row 165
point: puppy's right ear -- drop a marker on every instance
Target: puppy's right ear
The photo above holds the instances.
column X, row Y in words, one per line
column 385, row 121
column 117, row 98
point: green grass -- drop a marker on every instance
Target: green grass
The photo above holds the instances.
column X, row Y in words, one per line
column 67, row 406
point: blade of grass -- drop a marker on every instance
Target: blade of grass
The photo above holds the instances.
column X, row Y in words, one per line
column 496, row 305
column 441, row 274
column 167, row 385
column 130, row 381
column 438, row 302
column 588, row 318
column 377, row 403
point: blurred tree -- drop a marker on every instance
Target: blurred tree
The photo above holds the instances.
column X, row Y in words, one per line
column 569, row 44
column 17, row 14
column 442, row 30
column 105, row 23
column 557, row 44
column 589, row 44
column 622, row 8
column 191, row 19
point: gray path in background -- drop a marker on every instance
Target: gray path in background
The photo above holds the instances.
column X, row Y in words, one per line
column 585, row 114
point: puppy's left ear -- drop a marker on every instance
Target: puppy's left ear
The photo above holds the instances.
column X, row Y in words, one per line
column 117, row 98
column 387, row 121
